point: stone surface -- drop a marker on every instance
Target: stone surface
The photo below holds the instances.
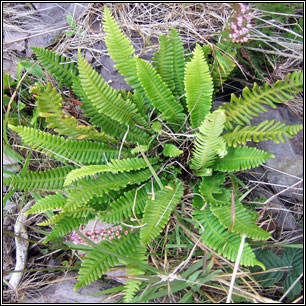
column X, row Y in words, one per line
column 288, row 161
column 62, row 292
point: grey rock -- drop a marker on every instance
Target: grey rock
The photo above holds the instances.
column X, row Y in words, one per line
column 55, row 13
column 62, row 292
column 288, row 161
column 9, row 164
column 15, row 40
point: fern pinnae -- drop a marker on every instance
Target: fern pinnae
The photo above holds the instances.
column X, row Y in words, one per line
column 52, row 179
column 241, row 158
column 120, row 49
column 50, row 202
column 243, row 223
column 178, row 64
column 87, row 189
column 163, row 61
column 158, row 92
column 106, row 99
column 114, row 166
column 49, row 104
column 266, row 130
column 241, row 110
column 208, row 144
column 157, row 211
column 61, row 67
column 222, row 241
column 74, row 151
column 198, row 87
column 96, row 262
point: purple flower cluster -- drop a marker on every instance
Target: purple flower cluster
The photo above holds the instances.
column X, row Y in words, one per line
column 103, row 234
column 240, row 24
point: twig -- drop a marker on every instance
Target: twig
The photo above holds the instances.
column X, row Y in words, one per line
column 229, row 296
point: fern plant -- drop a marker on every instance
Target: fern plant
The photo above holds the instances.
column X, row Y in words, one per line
column 114, row 166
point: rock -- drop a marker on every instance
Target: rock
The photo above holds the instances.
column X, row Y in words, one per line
column 15, row 40
column 9, row 164
column 286, row 169
column 62, row 292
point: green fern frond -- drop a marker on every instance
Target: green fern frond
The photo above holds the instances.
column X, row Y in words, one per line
column 198, row 87
column 218, row 237
column 120, row 49
column 96, row 262
column 163, row 61
column 78, row 213
column 242, row 110
column 52, row 179
column 66, row 225
column 157, row 211
column 241, row 158
column 87, row 189
column 171, row 150
column 213, row 191
column 158, row 93
column 49, row 104
column 178, row 64
column 50, row 202
column 61, row 67
column 130, row 202
column 243, row 222
column 208, row 144
column 63, row 149
column 110, row 126
column 106, row 99
column 114, row 166
column 134, row 273
column 266, row 130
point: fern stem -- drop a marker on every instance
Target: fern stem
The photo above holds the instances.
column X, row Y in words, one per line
column 150, row 167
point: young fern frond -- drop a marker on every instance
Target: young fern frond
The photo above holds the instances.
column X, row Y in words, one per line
column 50, row 202
column 106, row 99
column 49, row 104
column 242, row 110
column 59, row 66
column 225, row 243
column 157, row 211
column 87, row 189
column 158, row 93
column 163, row 61
column 241, row 158
column 96, row 262
column 178, row 64
column 65, row 150
column 114, row 166
column 243, row 222
column 208, row 143
column 266, row 130
column 198, row 87
column 52, row 179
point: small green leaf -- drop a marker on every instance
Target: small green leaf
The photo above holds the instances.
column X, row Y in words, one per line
column 171, row 150
column 27, row 65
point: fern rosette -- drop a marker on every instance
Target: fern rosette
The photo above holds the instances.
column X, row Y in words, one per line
column 141, row 152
